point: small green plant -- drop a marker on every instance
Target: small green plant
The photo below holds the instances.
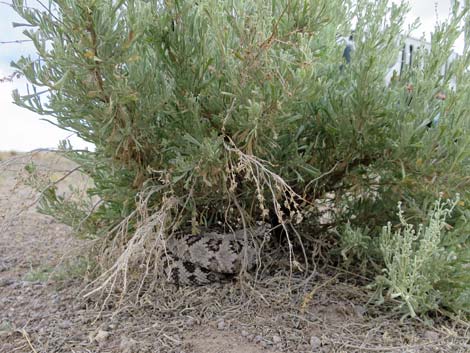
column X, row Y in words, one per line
column 356, row 246
column 70, row 269
column 6, row 326
column 75, row 268
column 39, row 274
column 423, row 272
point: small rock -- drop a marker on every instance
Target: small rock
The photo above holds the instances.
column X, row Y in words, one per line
column 177, row 340
column 221, row 325
column 105, row 327
column 128, row 345
column 65, row 324
column 431, row 335
column 8, row 347
column 244, row 333
column 17, row 285
column 277, row 339
column 360, row 310
column 315, row 342
column 257, row 339
column 101, row 336
column 56, row 299
column 190, row 322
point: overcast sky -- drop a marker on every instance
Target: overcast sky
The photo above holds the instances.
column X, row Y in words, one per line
column 20, row 129
column 23, row 130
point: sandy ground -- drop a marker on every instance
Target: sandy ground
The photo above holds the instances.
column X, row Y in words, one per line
column 42, row 308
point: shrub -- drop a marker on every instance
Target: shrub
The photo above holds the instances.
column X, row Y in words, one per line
column 423, row 271
column 239, row 111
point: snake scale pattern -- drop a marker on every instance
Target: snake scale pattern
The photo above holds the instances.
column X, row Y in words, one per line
column 210, row 256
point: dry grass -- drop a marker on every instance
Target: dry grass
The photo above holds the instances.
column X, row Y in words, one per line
column 337, row 316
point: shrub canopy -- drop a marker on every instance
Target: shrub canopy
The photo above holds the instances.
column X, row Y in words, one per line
column 247, row 109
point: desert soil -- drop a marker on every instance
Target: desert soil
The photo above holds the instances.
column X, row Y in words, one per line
column 43, row 309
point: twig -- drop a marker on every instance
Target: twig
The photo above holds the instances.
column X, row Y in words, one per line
column 88, row 214
column 392, row 348
column 25, row 335
column 52, row 184
column 308, row 298
column 322, row 176
column 19, row 41
column 10, row 77
column 172, row 339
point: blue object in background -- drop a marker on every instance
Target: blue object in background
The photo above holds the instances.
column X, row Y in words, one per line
column 349, row 49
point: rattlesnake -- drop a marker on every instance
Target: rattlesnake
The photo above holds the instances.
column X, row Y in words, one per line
column 210, row 256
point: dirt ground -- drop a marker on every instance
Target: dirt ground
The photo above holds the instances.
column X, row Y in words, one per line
column 42, row 307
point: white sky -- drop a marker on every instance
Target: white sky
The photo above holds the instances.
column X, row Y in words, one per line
column 22, row 130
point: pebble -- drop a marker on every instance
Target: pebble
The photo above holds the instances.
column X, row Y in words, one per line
column 431, row 335
column 244, row 333
column 177, row 340
column 17, row 285
column 360, row 310
column 277, row 339
column 65, row 324
column 221, row 325
column 8, row 347
column 257, row 339
column 101, row 336
column 128, row 345
column 315, row 342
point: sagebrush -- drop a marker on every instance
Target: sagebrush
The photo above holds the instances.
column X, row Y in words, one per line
column 246, row 111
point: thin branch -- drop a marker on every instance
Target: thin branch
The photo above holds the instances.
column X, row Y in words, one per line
column 18, row 41
column 88, row 214
column 66, row 175
column 11, row 77
column 26, row 336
